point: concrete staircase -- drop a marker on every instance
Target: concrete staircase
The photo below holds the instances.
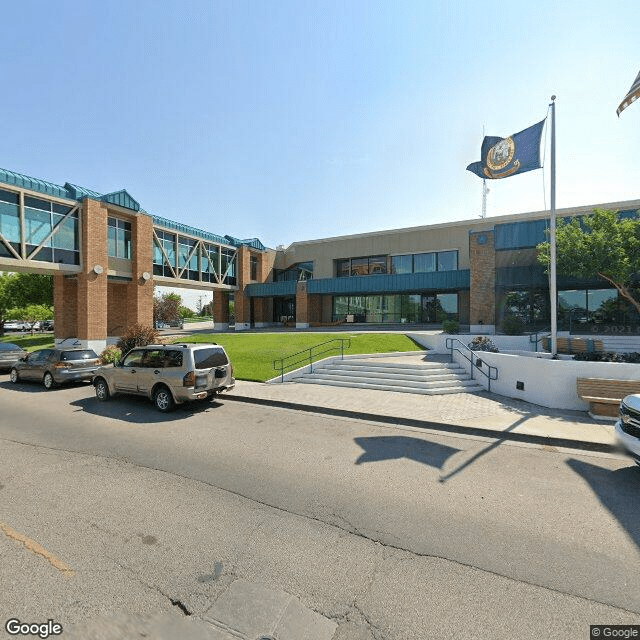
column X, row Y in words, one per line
column 426, row 378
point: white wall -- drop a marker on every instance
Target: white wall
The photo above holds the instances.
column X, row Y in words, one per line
column 437, row 341
column 550, row 383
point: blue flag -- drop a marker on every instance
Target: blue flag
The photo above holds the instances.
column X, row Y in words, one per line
column 504, row 157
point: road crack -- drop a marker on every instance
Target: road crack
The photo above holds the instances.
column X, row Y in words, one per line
column 347, row 527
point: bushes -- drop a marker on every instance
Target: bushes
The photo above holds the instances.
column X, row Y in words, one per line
column 137, row 336
column 110, row 355
column 513, row 326
column 482, row 343
column 608, row 356
column 450, row 326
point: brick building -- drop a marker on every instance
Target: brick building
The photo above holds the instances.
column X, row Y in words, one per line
column 106, row 254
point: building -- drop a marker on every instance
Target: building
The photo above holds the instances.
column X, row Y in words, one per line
column 106, row 253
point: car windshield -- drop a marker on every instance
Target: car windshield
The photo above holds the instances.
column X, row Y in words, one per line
column 78, row 354
column 209, row 357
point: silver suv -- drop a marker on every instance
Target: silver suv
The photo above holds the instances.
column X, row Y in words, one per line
column 168, row 374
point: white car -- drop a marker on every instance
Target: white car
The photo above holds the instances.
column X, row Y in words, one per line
column 628, row 426
column 15, row 325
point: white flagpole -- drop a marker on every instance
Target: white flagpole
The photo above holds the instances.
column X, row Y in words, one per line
column 552, row 234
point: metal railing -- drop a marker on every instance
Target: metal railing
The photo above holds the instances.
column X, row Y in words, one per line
column 308, row 355
column 477, row 364
column 536, row 338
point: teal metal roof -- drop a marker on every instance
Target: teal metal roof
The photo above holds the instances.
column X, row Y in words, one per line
column 192, row 231
column 390, row 283
column 271, row 289
column 122, row 199
column 250, row 242
column 25, row 182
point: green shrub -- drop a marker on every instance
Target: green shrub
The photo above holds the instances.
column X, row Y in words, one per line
column 450, row 326
column 513, row 326
column 137, row 336
column 110, row 355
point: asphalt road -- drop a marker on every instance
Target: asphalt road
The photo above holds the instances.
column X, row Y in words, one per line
column 393, row 533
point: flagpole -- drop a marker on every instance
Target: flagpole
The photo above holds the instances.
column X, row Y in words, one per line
column 552, row 235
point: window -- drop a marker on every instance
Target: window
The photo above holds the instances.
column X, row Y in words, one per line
column 119, row 238
column 209, row 358
column 10, row 217
column 133, row 359
column 402, row 264
column 371, row 265
column 343, row 268
column 228, row 266
column 254, row 267
column 424, row 262
column 41, row 217
column 448, row 261
column 87, row 354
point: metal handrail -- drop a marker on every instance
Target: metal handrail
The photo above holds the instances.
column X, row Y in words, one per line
column 449, row 343
column 538, row 339
column 309, row 358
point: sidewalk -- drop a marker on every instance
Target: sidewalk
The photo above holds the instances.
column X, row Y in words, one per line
column 476, row 414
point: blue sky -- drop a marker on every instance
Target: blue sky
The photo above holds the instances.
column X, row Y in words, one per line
column 297, row 120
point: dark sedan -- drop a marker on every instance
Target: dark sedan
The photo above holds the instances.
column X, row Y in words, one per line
column 10, row 354
column 56, row 366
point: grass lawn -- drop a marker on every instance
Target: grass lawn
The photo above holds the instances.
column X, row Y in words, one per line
column 28, row 341
column 252, row 354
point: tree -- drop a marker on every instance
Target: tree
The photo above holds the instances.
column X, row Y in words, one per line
column 30, row 288
column 20, row 290
column 601, row 245
column 4, row 301
column 166, row 308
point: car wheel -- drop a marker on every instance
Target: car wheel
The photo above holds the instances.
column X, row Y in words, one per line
column 102, row 389
column 48, row 381
column 13, row 376
column 163, row 399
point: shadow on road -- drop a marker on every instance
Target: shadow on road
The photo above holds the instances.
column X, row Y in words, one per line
column 395, row 447
column 617, row 490
column 138, row 410
column 33, row 386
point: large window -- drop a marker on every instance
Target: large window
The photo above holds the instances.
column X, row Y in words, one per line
column 396, row 308
column 296, row 272
column 425, row 262
column 119, row 238
column 228, row 266
column 41, row 217
column 370, row 265
column 168, row 243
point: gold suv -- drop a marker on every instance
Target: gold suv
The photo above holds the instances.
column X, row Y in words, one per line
column 168, row 374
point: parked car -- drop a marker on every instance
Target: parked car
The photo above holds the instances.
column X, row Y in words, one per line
column 15, row 325
column 168, row 374
column 628, row 426
column 56, row 366
column 47, row 325
column 170, row 323
column 10, row 354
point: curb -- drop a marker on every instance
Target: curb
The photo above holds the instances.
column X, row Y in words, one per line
column 565, row 443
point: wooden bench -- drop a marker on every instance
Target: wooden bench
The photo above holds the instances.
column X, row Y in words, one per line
column 604, row 395
column 573, row 345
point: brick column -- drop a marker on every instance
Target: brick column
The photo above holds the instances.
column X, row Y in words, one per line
column 64, row 307
column 242, row 308
column 302, row 305
column 140, row 291
column 220, row 310
column 482, row 304
column 92, row 286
